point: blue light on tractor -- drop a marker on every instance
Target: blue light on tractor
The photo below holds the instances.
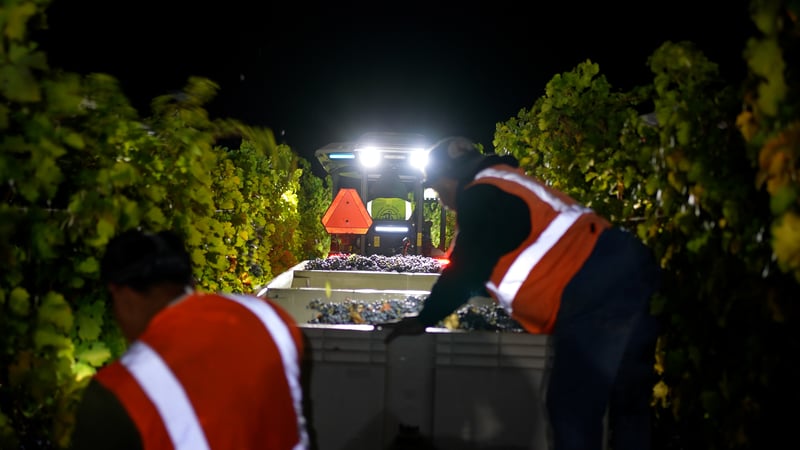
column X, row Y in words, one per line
column 341, row 156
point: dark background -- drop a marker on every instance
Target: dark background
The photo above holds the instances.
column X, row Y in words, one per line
column 320, row 73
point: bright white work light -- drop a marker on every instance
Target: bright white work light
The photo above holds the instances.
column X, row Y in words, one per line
column 418, row 158
column 369, row 157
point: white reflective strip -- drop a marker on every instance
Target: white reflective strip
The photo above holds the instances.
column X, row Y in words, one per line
column 506, row 302
column 286, row 346
column 167, row 394
column 540, row 191
column 528, row 258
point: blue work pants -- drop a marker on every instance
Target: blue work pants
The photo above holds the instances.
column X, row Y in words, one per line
column 604, row 345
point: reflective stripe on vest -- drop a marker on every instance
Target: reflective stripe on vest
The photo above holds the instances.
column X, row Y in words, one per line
column 283, row 339
column 524, row 263
column 166, row 393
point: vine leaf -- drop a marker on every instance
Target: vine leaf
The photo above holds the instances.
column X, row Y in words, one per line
column 55, row 310
column 95, row 354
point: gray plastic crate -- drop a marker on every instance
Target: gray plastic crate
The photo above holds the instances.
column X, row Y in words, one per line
column 453, row 390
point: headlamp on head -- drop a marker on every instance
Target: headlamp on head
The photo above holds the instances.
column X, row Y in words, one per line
column 451, row 157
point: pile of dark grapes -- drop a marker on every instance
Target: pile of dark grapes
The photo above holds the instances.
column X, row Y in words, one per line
column 486, row 317
column 363, row 312
column 470, row 317
column 376, row 263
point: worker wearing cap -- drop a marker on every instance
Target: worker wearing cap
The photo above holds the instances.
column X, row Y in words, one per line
column 202, row 371
column 560, row 269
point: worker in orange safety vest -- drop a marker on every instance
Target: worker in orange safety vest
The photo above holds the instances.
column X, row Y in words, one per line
column 202, row 371
column 558, row 268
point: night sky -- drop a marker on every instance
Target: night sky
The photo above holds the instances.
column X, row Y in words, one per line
column 330, row 72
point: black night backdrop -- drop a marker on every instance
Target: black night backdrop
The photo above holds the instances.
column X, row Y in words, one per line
column 320, row 73
column 712, row 185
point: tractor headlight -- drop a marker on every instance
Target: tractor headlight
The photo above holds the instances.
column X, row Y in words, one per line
column 418, row 158
column 369, row 156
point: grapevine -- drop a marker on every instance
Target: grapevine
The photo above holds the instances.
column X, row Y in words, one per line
column 666, row 161
column 77, row 165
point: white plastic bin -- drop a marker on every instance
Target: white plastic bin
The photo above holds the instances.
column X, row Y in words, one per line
column 444, row 390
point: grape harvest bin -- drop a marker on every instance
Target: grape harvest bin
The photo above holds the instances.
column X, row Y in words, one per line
column 444, row 390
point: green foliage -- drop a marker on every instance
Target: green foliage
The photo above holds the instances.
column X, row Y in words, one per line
column 315, row 241
column 433, row 213
column 770, row 121
column 665, row 161
column 77, row 165
column 577, row 132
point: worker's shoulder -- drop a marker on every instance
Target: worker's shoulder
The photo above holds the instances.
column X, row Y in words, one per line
column 482, row 193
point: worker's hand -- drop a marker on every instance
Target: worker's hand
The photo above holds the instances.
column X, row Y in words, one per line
column 407, row 326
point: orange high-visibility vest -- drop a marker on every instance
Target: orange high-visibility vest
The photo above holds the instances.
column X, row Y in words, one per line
column 214, row 372
column 528, row 282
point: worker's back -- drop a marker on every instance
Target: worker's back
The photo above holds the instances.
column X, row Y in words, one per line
column 214, row 371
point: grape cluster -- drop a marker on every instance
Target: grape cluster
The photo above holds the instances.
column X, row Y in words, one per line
column 486, row 317
column 376, row 263
column 363, row 312
column 469, row 317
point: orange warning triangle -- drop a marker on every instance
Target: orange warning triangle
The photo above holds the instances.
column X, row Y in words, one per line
column 347, row 214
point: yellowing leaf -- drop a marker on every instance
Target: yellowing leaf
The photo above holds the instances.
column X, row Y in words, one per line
column 155, row 215
column 46, row 336
column 17, row 19
column 83, row 371
column 105, row 230
column 96, row 355
column 764, row 16
column 451, row 322
column 765, row 58
column 786, row 241
column 747, row 125
column 55, row 310
column 198, row 258
column 89, row 325
column 778, row 172
column 660, row 392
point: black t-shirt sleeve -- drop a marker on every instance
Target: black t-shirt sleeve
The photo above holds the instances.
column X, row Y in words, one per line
column 491, row 223
column 102, row 422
